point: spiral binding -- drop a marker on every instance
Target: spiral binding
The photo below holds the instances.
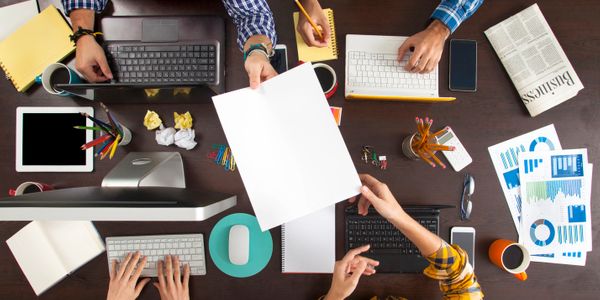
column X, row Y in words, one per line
column 334, row 47
column 8, row 75
column 282, row 247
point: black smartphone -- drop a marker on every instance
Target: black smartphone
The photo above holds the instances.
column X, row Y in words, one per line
column 279, row 60
column 463, row 65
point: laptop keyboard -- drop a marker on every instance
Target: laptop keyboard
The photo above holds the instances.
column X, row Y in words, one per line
column 383, row 237
column 382, row 70
column 164, row 63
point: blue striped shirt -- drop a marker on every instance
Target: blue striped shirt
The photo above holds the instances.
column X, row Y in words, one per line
column 453, row 12
column 251, row 17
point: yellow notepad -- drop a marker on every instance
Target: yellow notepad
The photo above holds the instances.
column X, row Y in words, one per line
column 30, row 49
column 306, row 53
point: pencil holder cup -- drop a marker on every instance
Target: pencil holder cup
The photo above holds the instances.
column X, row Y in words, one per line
column 407, row 148
column 126, row 139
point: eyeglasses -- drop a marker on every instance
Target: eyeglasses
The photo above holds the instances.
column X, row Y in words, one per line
column 465, row 199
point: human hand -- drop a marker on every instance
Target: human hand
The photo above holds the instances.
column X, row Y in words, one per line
column 90, row 60
column 428, row 46
column 122, row 285
column 259, row 69
column 308, row 33
column 347, row 272
column 377, row 193
column 170, row 284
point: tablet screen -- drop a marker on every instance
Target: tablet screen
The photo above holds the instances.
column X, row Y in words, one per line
column 49, row 139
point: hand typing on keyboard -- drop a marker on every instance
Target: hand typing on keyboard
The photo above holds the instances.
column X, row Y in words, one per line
column 347, row 272
column 171, row 285
column 90, row 59
column 377, row 193
column 428, row 46
column 123, row 278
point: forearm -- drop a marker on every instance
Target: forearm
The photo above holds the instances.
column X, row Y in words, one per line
column 425, row 240
column 83, row 18
column 253, row 18
column 453, row 12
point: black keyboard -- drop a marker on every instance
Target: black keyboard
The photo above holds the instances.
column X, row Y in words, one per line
column 162, row 64
column 383, row 237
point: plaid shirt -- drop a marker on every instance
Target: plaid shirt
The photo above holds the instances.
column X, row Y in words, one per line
column 450, row 265
column 453, row 12
column 251, row 17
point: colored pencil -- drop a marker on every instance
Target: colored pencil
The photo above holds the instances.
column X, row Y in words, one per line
column 112, row 121
column 314, row 26
column 106, row 150
column 103, row 147
column 95, row 128
column 105, row 127
column 114, row 147
column 95, row 142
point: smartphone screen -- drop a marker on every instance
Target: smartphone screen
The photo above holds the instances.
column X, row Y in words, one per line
column 279, row 60
column 465, row 240
column 463, row 65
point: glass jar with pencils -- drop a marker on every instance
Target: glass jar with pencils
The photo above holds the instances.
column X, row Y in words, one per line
column 424, row 145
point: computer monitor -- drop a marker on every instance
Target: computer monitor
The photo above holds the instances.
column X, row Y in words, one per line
column 116, row 204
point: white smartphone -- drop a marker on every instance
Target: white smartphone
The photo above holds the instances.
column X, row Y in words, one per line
column 465, row 238
column 279, row 61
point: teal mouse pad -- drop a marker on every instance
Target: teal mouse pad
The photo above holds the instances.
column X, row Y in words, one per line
column 261, row 246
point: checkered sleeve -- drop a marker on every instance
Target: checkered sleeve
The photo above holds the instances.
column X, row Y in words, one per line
column 96, row 5
column 251, row 17
column 453, row 12
column 450, row 265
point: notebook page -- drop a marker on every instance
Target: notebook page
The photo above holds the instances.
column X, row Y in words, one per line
column 75, row 242
column 289, row 150
column 36, row 257
column 308, row 243
column 314, row 54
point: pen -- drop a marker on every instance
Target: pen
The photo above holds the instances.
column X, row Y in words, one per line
column 314, row 26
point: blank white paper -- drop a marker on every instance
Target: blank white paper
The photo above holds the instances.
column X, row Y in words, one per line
column 289, row 151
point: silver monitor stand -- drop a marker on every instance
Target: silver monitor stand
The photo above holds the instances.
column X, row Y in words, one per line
column 147, row 169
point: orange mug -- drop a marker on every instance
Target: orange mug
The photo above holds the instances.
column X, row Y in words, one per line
column 510, row 256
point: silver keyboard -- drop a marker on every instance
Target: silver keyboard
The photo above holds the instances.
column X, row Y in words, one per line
column 382, row 70
column 189, row 248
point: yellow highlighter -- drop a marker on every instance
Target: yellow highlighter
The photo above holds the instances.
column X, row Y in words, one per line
column 399, row 98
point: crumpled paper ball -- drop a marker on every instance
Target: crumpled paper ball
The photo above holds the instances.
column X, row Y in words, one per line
column 184, row 138
column 152, row 120
column 183, row 121
column 165, row 136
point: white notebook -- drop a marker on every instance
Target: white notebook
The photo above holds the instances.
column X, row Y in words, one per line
column 47, row 251
column 13, row 16
column 308, row 243
column 287, row 147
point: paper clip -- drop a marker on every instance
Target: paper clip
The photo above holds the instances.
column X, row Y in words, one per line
column 383, row 162
column 366, row 151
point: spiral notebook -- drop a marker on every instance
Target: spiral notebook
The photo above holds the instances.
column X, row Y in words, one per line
column 30, row 49
column 312, row 54
column 308, row 243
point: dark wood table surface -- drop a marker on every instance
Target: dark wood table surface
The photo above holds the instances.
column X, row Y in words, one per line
column 491, row 115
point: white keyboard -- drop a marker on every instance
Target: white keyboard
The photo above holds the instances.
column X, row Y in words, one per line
column 189, row 248
column 382, row 70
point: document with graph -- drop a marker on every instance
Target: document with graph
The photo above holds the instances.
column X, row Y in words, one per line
column 505, row 157
column 556, row 193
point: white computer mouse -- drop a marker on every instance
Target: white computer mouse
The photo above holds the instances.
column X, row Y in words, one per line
column 239, row 244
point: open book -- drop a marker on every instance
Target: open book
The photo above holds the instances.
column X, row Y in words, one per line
column 47, row 251
column 534, row 60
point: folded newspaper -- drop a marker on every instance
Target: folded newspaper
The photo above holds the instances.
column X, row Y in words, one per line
column 534, row 60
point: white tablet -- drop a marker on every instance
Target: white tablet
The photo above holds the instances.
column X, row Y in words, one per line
column 47, row 141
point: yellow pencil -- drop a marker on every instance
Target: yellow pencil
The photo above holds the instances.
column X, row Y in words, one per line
column 314, row 26
column 399, row 98
column 114, row 148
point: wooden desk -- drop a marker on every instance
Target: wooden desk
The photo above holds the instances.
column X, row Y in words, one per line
column 491, row 115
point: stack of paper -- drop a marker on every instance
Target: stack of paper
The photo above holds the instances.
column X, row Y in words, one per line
column 548, row 191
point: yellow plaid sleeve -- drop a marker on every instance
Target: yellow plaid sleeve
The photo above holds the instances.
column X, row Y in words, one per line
column 450, row 265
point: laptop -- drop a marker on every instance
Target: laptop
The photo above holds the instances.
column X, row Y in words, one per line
column 181, row 55
column 389, row 246
column 373, row 71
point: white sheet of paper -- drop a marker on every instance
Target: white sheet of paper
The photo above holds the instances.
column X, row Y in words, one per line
column 556, row 204
column 577, row 258
column 13, row 16
column 506, row 163
column 289, row 151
